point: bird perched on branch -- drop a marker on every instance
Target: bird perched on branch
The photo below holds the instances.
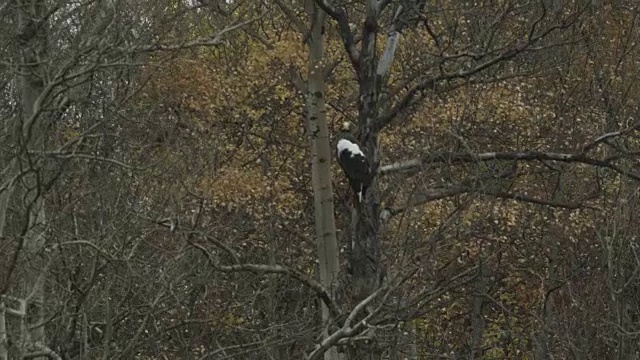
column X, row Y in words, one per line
column 353, row 161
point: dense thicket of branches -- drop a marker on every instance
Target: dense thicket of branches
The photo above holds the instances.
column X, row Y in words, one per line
column 157, row 192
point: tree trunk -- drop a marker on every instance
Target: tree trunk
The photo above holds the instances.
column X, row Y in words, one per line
column 23, row 176
column 4, row 352
column 478, row 323
column 321, row 160
column 365, row 254
column 544, row 339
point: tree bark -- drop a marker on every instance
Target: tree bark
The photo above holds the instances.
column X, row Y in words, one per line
column 365, row 256
column 544, row 339
column 23, row 176
column 4, row 351
column 321, row 160
column 478, row 323
column 365, row 253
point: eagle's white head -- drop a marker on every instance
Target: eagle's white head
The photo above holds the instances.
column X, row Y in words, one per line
column 346, row 126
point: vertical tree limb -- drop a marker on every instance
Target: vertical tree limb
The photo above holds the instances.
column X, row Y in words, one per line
column 321, row 160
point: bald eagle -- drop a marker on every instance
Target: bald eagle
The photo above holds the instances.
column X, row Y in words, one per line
column 353, row 161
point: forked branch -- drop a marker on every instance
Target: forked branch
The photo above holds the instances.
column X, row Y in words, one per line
column 507, row 52
column 320, row 290
column 348, row 39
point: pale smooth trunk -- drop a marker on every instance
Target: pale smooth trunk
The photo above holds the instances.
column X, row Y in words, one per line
column 321, row 169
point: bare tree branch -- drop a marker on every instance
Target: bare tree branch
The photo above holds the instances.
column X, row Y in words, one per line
column 529, row 199
column 347, row 330
column 40, row 351
column 506, row 53
column 132, row 343
column 460, row 158
column 216, row 40
column 382, row 4
column 393, row 40
column 417, row 90
column 320, row 290
column 348, row 39
column 606, row 137
column 71, row 155
column 424, row 198
column 427, row 298
column 291, row 15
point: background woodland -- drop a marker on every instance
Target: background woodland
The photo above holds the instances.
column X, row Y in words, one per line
column 168, row 188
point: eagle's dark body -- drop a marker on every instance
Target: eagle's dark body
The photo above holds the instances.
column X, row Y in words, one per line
column 354, row 162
